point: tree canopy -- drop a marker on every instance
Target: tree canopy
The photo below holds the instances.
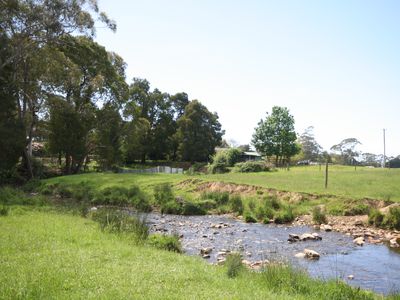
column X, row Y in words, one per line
column 275, row 136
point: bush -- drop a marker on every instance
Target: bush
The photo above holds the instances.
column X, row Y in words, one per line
column 392, row 219
column 220, row 162
column 4, row 210
column 121, row 196
column 12, row 196
column 207, row 204
column 220, row 197
column 252, row 205
column 196, row 168
column 272, row 201
column 284, row 216
column 269, row 213
column 375, row 217
column 251, row 166
column 171, row 207
column 260, row 213
column 192, row 209
column 236, row 204
column 166, row 242
column 232, row 156
column 357, row 209
column 64, row 191
column 163, row 193
column 32, row 186
column 117, row 221
column 318, row 215
column 233, row 264
column 249, row 218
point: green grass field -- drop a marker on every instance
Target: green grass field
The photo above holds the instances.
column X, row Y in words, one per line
column 383, row 184
column 49, row 255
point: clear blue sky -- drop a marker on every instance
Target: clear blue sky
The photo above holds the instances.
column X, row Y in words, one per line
column 334, row 64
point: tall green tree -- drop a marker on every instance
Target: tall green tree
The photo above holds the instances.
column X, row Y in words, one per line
column 310, row 147
column 12, row 131
column 69, row 132
column 275, row 136
column 93, row 76
column 135, row 141
column 347, row 150
column 199, row 132
column 108, row 136
column 35, row 28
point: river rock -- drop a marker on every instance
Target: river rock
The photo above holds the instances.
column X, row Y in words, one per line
column 246, row 262
column 205, row 251
column 94, row 208
column 259, row 264
column 311, row 254
column 304, row 237
column 359, row 241
column 394, row 243
column 326, row 227
column 300, row 255
column 350, row 277
column 359, row 223
column 206, row 256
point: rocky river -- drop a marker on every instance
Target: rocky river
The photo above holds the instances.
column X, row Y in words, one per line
column 373, row 267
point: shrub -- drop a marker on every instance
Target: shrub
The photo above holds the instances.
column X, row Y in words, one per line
column 233, row 264
column 222, row 160
column 117, row 221
column 32, row 186
column 318, row 215
column 192, row 209
column 249, row 218
column 266, row 220
column 252, row 205
column 207, row 204
column 9, row 195
column 166, row 242
column 232, row 156
column 251, row 166
column 112, row 196
column 272, row 201
column 236, row 204
column 375, row 217
column 269, row 213
column 121, row 196
column 260, row 213
column 64, row 191
column 392, row 219
column 171, row 207
column 284, row 216
column 4, row 210
column 163, row 193
column 357, row 209
column 83, row 192
column 220, row 197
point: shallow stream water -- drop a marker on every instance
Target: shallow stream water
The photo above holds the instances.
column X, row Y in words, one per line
column 374, row 267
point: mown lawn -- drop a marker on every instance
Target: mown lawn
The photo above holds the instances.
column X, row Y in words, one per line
column 49, row 255
column 344, row 181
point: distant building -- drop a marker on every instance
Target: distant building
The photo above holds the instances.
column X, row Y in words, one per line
column 251, row 156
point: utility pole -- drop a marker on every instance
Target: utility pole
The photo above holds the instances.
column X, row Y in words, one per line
column 384, row 148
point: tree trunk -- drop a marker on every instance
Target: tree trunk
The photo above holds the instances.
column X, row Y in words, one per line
column 28, row 163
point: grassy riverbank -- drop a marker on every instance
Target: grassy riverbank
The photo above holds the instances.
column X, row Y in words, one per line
column 344, row 181
column 49, row 254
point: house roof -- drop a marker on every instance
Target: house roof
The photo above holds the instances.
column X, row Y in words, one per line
column 252, row 153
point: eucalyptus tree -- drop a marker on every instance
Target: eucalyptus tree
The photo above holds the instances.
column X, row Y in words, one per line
column 34, row 28
column 199, row 132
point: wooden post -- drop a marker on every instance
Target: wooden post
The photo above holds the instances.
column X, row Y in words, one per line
column 326, row 174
